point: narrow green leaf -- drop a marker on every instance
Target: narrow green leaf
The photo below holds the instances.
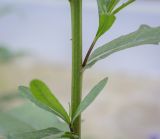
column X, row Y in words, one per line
column 123, row 6
column 25, row 91
column 107, row 11
column 106, row 6
column 38, row 134
column 144, row 35
column 90, row 97
column 43, row 94
column 105, row 23
column 112, row 5
column 106, row 19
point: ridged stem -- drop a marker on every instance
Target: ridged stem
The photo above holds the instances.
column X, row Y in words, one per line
column 76, row 18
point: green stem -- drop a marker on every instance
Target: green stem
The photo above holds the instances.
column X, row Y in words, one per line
column 76, row 16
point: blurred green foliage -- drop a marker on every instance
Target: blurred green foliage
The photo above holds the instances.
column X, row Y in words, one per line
column 4, row 10
column 8, row 97
column 28, row 118
column 5, row 54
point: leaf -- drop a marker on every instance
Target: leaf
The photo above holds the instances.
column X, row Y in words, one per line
column 25, row 91
column 106, row 6
column 107, row 12
column 43, row 94
column 144, row 35
column 38, row 134
column 10, row 124
column 42, row 118
column 90, row 98
column 28, row 118
column 123, row 6
column 105, row 23
column 106, row 18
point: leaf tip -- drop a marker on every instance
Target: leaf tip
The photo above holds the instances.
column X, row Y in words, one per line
column 36, row 82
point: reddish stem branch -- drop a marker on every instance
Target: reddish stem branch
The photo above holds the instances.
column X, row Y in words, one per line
column 89, row 52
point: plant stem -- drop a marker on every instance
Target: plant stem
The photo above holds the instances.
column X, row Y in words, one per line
column 89, row 52
column 76, row 17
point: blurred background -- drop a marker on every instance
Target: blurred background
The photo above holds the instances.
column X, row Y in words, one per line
column 35, row 43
